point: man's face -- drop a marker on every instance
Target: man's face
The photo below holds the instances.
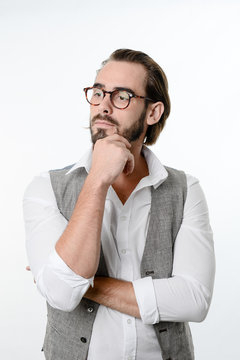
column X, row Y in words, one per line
column 105, row 117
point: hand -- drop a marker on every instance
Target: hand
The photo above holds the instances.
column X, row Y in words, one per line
column 111, row 157
column 29, row 269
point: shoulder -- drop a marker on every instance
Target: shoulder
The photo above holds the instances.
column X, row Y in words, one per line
column 63, row 170
column 41, row 184
column 67, row 177
column 39, row 187
column 176, row 178
column 180, row 182
column 183, row 183
column 181, row 176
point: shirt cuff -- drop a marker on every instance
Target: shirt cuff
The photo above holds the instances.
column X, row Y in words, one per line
column 146, row 299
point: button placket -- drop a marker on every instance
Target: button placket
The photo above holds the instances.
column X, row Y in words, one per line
column 123, row 245
column 126, row 273
column 129, row 327
column 123, row 217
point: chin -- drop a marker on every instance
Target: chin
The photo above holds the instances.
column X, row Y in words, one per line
column 99, row 134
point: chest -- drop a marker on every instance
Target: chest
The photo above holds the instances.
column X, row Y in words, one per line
column 124, row 233
column 124, row 191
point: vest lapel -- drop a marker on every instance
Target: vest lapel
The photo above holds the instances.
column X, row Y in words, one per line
column 157, row 255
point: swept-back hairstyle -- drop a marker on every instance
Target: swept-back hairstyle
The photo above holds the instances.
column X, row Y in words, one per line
column 156, row 86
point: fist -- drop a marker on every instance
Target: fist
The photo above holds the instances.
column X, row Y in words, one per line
column 111, row 157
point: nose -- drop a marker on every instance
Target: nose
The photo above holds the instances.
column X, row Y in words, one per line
column 106, row 106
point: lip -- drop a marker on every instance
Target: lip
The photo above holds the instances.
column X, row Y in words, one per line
column 103, row 123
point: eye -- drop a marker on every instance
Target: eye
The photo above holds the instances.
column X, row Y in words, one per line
column 97, row 92
column 122, row 95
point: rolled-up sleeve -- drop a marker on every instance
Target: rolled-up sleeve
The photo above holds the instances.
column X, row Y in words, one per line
column 44, row 224
column 187, row 294
column 146, row 299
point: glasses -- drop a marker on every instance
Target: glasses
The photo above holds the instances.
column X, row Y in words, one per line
column 120, row 99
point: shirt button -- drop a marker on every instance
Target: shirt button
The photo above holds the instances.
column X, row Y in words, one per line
column 123, row 251
column 123, row 218
column 90, row 309
column 129, row 321
column 83, row 339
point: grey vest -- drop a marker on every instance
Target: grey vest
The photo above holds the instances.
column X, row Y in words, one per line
column 68, row 334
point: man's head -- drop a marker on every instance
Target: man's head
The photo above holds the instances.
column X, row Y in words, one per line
column 146, row 102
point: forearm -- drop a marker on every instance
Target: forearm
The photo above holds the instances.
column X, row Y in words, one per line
column 177, row 298
column 116, row 294
column 79, row 245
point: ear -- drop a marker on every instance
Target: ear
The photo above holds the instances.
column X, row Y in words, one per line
column 155, row 112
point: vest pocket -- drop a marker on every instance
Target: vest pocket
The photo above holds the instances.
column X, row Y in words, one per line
column 59, row 346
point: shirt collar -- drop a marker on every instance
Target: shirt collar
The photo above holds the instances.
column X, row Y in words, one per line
column 85, row 162
column 157, row 172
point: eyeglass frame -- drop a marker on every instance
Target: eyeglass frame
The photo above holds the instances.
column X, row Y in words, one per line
column 131, row 95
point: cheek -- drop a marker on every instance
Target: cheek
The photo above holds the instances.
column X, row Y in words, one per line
column 132, row 115
column 92, row 110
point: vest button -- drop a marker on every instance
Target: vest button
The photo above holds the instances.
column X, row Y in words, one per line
column 90, row 309
column 149, row 272
column 162, row 330
column 83, row 339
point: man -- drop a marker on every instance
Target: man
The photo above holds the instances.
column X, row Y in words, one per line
column 120, row 246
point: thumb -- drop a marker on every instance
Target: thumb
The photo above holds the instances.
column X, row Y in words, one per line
column 128, row 169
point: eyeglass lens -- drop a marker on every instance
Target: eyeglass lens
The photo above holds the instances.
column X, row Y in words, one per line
column 119, row 98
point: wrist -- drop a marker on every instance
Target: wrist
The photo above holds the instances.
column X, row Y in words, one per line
column 98, row 182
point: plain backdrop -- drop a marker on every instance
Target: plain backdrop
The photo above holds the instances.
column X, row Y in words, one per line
column 49, row 51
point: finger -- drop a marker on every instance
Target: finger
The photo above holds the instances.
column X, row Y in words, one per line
column 117, row 137
column 128, row 169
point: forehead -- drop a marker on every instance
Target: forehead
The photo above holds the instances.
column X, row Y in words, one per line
column 122, row 74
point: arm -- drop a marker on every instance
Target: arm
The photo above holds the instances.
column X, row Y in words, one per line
column 85, row 224
column 116, row 294
column 59, row 276
column 186, row 295
column 79, row 245
column 44, row 224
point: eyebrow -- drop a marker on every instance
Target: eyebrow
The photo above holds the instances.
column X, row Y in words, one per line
column 101, row 86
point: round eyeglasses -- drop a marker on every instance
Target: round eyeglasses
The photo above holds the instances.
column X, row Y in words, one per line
column 120, row 99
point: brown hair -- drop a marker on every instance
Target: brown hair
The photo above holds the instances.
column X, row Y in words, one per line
column 156, row 86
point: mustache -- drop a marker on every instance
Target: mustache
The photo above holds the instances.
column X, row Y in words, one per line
column 106, row 118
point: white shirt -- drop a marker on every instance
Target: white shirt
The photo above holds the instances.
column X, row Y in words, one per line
column 185, row 296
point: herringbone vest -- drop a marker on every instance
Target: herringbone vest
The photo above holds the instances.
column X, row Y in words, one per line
column 68, row 334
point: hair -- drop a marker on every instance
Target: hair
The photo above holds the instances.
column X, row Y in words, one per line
column 156, row 86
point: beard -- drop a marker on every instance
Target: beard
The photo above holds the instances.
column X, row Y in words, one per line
column 131, row 134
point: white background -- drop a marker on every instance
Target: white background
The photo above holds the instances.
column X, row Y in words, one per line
column 49, row 51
